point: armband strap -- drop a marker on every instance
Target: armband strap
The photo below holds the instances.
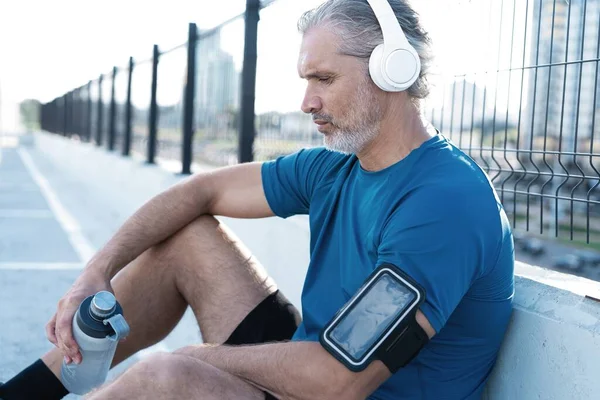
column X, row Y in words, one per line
column 398, row 350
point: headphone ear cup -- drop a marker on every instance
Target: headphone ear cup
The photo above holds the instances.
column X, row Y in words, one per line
column 376, row 69
column 404, row 66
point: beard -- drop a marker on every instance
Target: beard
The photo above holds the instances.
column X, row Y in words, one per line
column 353, row 131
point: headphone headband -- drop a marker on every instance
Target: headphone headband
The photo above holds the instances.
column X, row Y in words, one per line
column 393, row 35
column 394, row 65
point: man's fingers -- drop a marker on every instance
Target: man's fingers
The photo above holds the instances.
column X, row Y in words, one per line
column 65, row 337
column 50, row 331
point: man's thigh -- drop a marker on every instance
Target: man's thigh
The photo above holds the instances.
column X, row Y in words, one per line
column 236, row 302
column 217, row 275
column 176, row 376
column 203, row 381
column 220, row 279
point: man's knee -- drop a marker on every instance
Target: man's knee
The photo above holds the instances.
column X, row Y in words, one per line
column 157, row 367
column 204, row 225
column 164, row 371
column 186, row 351
column 190, row 235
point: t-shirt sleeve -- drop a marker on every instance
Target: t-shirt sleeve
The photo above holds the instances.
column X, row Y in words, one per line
column 436, row 240
column 289, row 181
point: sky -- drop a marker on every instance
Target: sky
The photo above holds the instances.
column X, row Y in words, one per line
column 48, row 47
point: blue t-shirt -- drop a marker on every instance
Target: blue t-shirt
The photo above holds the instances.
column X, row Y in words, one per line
column 433, row 214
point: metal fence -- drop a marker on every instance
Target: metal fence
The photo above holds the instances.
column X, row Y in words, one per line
column 530, row 116
column 525, row 106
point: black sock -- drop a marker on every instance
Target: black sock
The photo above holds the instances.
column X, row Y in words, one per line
column 35, row 382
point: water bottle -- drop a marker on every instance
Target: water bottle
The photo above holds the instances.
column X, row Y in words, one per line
column 98, row 326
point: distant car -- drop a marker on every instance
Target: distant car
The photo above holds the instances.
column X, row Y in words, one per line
column 569, row 262
column 591, row 258
column 532, row 246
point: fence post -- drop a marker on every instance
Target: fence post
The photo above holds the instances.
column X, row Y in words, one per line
column 48, row 119
column 113, row 112
column 54, row 117
column 76, row 112
column 247, row 130
column 88, row 119
column 100, row 115
column 128, row 111
column 188, row 103
column 153, row 108
column 73, row 112
column 81, row 112
column 65, row 113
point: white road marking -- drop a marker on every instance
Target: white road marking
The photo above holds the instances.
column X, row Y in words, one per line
column 40, row 266
column 81, row 245
column 41, row 214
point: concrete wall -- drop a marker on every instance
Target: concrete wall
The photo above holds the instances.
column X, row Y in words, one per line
column 552, row 349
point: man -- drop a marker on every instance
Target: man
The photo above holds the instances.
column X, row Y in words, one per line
column 388, row 189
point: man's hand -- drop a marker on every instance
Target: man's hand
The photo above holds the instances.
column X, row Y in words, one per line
column 60, row 330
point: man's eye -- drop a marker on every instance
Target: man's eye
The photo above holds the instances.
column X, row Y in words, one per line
column 325, row 80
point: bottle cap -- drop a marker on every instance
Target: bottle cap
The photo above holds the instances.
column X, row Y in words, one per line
column 103, row 305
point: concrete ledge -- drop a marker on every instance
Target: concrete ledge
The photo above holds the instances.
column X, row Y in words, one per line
column 551, row 350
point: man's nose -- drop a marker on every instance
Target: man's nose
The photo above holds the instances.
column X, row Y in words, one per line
column 311, row 103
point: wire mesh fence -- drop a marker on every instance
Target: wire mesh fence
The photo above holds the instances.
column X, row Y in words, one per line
column 171, row 81
column 105, row 113
column 281, row 127
column 528, row 115
column 120, row 98
column 93, row 101
column 217, row 107
column 140, row 104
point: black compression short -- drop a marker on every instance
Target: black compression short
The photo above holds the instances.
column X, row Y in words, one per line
column 275, row 319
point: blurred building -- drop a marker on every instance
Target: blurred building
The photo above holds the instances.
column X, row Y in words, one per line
column 561, row 97
column 217, row 84
column 462, row 107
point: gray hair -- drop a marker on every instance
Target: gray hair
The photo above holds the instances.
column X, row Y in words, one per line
column 355, row 22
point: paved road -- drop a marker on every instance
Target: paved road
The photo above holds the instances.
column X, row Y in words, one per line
column 41, row 253
column 553, row 250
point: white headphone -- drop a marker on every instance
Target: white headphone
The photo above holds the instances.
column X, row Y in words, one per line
column 394, row 65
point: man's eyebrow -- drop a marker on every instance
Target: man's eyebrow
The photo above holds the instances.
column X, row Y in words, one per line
column 316, row 74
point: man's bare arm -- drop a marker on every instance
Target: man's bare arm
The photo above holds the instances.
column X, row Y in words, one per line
column 297, row 370
column 292, row 370
column 232, row 191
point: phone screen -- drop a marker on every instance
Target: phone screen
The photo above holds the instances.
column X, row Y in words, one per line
column 382, row 303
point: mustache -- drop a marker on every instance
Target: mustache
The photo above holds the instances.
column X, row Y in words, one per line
column 322, row 117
